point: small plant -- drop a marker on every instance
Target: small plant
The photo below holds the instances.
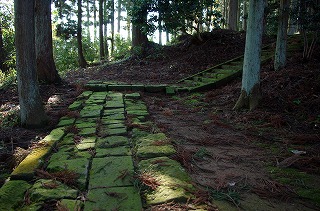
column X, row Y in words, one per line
column 225, row 195
column 201, row 153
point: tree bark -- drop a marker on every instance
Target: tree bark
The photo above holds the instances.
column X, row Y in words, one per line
column 88, row 20
column 119, row 16
column 112, row 26
column 281, row 47
column 250, row 89
column 138, row 37
column 46, row 68
column 31, row 109
column 102, row 55
column 233, row 14
column 105, row 35
column 245, row 15
column 94, row 21
column 82, row 61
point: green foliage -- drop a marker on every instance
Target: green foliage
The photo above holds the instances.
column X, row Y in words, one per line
column 122, row 48
column 7, row 26
column 307, row 15
column 66, row 54
column 7, row 78
column 272, row 17
column 173, row 16
column 9, row 117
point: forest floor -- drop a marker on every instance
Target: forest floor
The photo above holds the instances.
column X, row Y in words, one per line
column 267, row 158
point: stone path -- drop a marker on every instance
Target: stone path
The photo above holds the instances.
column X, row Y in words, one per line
column 103, row 155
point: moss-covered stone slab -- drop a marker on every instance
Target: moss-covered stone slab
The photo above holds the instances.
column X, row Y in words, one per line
column 80, row 166
column 69, row 204
column 12, row 194
column 155, row 88
column 112, row 121
column 26, row 169
column 99, row 95
column 120, row 198
column 114, row 117
column 115, row 131
column 85, row 146
column 68, row 153
column 136, row 106
column 55, row 135
column 66, row 122
column 94, row 101
column 167, row 171
column 149, row 139
column 114, row 111
column 111, row 172
column 112, row 141
column 76, row 105
column 134, row 95
column 115, row 126
column 173, row 179
column 137, row 112
column 119, row 87
column 137, row 133
column 44, row 190
column 164, row 194
column 87, row 131
column 90, row 113
column 155, row 151
column 137, row 88
column 115, row 151
column 97, row 87
column 67, row 140
column 170, row 90
column 85, row 125
column 114, row 104
column 84, row 95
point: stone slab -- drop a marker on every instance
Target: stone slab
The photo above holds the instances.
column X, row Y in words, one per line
column 115, row 151
column 44, row 189
column 111, row 172
column 12, row 194
column 112, row 141
column 120, row 198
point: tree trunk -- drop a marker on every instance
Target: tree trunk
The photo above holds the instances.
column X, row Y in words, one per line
column 105, row 35
column 281, row 47
column 245, row 15
column 293, row 25
column 112, row 26
column 138, row 37
column 46, row 68
column 102, row 55
column 95, row 21
column 31, row 109
column 119, row 16
column 167, row 37
column 88, row 20
column 3, row 66
column 82, row 61
column 233, row 14
column 250, row 89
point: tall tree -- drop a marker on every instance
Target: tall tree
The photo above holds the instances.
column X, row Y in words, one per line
column 112, row 25
column 250, row 89
column 46, row 68
column 281, row 47
column 139, row 19
column 31, row 109
column 82, row 61
column 3, row 66
column 233, row 14
column 102, row 55
column 119, row 16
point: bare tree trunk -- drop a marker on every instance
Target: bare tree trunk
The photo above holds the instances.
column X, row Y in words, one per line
column 167, row 37
column 46, row 68
column 138, row 37
column 233, row 14
column 250, row 89
column 82, row 61
column 245, row 15
column 112, row 26
column 293, row 25
column 281, row 48
column 119, row 16
column 88, row 20
column 102, row 55
column 95, row 20
column 31, row 109
column 106, row 21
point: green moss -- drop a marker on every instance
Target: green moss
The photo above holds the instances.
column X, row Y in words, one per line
column 118, row 169
column 155, row 151
column 114, row 111
column 87, row 131
column 44, row 190
column 85, row 94
column 12, row 194
column 174, row 181
column 115, row 151
column 120, row 198
column 112, row 141
column 76, row 105
column 86, row 125
column 70, row 204
column 34, row 160
column 55, row 135
column 134, row 95
column 312, row 194
column 66, row 122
